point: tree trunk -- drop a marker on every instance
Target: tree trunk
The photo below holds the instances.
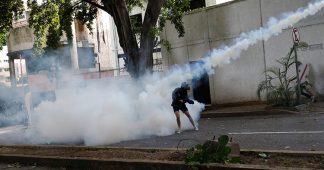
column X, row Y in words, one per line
column 139, row 60
column 152, row 13
column 127, row 40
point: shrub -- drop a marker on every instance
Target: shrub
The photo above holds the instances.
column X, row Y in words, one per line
column 281, row 88
column 207, row 154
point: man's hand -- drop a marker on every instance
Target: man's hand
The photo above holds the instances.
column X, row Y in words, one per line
column 191, row 102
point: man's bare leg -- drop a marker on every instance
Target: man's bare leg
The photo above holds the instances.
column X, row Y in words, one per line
column 191, row 120
column 177, row 114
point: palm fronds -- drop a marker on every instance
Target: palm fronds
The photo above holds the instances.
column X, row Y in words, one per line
column 280, row 88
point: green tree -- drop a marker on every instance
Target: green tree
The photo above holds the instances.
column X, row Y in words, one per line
column 51, row 17
column 9, row 10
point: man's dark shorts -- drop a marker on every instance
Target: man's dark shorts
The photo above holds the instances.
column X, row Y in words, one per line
column 182, row 107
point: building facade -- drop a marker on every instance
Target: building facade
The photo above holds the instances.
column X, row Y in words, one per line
column 96, row 52
column 89, row 52
column 4, row 67
column 217, row 26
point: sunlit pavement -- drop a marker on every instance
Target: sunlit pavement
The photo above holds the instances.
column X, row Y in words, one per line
column 302, row 131
column 17, row 166
column 12, row 133
column 12, row 129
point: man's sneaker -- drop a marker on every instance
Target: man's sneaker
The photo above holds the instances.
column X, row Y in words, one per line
column 313, row 99
column 196, row 128
column 178, row 131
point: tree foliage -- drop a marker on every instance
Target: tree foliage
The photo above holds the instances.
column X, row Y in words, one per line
column 9, row 10
column 46, row 22
column 173, row 10
column 50, row 18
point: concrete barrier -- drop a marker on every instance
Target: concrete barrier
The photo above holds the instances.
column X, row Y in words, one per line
column 79, row 163
column 130, row 164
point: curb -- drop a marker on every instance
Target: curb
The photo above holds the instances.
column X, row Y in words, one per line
column 215, row 114
column 89, row 163
column 81, row 163
column 285, row 152
column 288, row 152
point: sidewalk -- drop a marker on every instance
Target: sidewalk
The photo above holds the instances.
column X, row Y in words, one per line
column 259, row 110
column 316, row 107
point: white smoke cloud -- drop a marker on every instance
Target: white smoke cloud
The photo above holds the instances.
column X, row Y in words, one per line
column 105, row 112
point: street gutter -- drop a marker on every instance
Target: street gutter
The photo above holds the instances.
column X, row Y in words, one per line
column 82, row 163
column 215, row 114
column 92, row 163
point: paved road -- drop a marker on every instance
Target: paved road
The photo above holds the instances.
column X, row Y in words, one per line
column 17, row 166
column 288, row 132
column 303, row 131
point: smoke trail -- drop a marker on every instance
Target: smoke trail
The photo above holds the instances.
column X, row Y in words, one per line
column 219, row 57
column 104, row 112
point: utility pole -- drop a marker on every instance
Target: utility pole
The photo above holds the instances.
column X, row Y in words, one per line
column 298, row 92
column 12, row 71
column 21, row 72
column 98, row 41
column 74, row 50
column 296, row 39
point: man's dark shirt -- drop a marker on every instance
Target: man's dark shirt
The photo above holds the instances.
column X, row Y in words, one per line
column 179, row 94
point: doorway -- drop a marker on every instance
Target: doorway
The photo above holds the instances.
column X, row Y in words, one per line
column 200, row 85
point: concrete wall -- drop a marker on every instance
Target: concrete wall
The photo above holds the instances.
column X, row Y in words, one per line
column 215, row 2
column 311, row 31
column 105, row 43
column 216, row 26
column 20, row 39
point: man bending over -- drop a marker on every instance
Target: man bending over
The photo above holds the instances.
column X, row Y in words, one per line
column 179, row 100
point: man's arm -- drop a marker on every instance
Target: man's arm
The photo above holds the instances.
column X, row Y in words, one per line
column 186, row 99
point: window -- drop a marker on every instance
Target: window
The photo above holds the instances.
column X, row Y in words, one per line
column 194, row 4
column 222, row 1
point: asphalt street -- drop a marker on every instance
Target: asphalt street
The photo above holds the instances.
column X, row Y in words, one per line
column 17, row 166
column 300, row 131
